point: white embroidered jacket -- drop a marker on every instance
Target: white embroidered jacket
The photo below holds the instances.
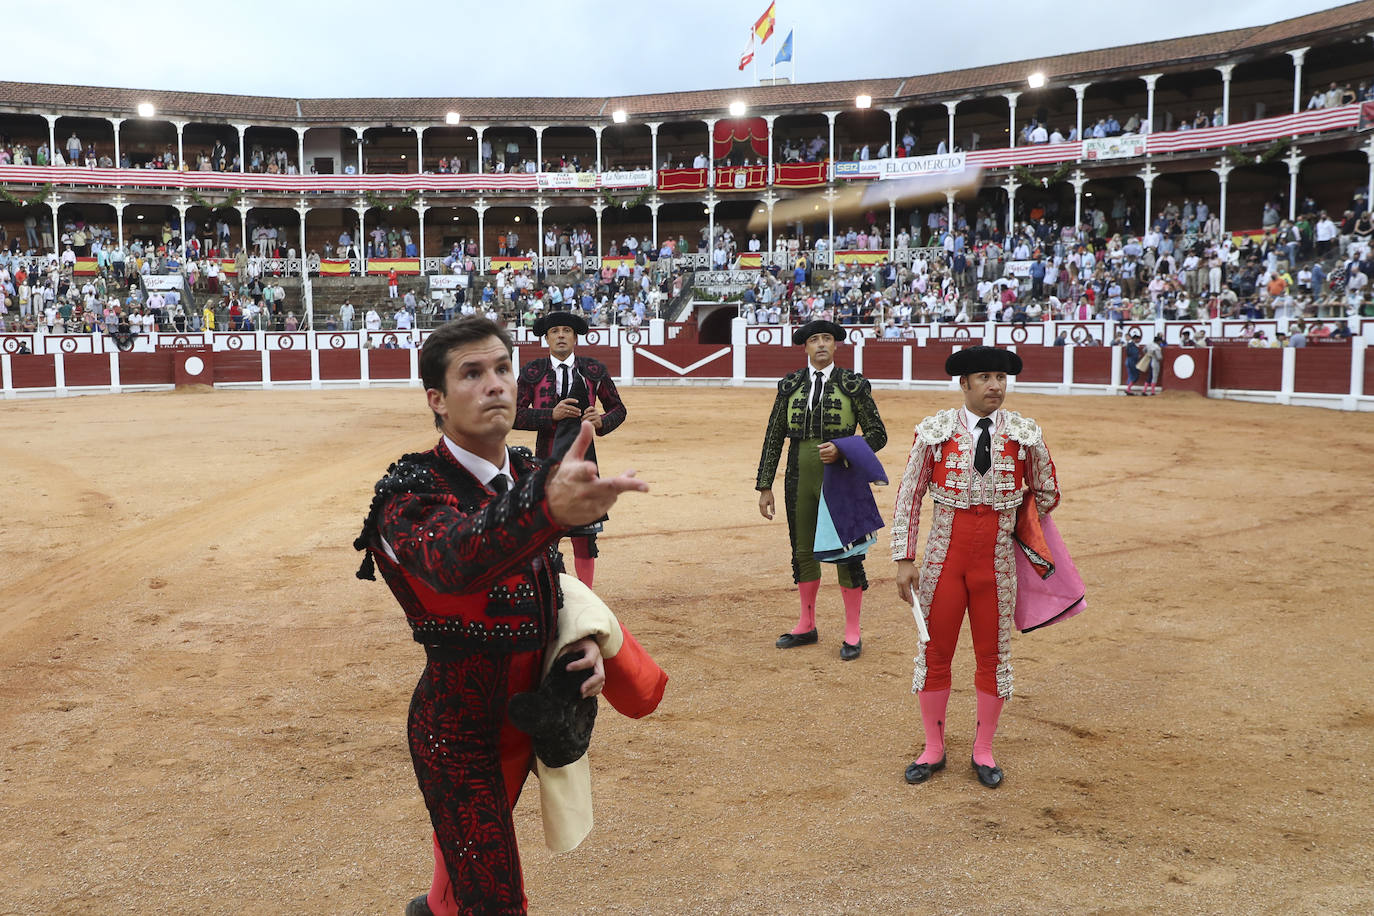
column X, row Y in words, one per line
column 941, row 462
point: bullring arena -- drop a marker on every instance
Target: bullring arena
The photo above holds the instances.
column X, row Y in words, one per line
column 203, row 710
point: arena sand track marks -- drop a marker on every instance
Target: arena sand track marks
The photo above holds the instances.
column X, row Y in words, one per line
column 222, row 729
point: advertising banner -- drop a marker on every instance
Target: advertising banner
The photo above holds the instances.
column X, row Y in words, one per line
column 1096, row 149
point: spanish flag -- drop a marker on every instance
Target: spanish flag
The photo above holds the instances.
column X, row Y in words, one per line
column 764, row 27
column 334, row 267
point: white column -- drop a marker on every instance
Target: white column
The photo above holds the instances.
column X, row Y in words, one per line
column 1011, row 184
column 243, row 158
column 1297, row 55
column 1011, row 98
column 243, row 228
column 181, row 209
column 598, row 129
column 1148, row 175
column 1225, row 71
column 181, row 155
column 360, row 237
column 892, row 230
column 54, row 204
column 949, row 139
column 539, row 207
column 892, row 125
column 419, row 159
column 1223, row 170
column 1368, row 150
column 118, row 202
column 830, row 150
column 303, row 208
column 768, row 175
column 710, row 230
column 653, row 150
column 598, row 207
column 1079, row 90
column 52, row 136
column 116, row 122
column 481, row 206
column 420, row 208
column 830, row 195
column 539, row 166
column 710, row 154
column 1150, row 80
column 1294, row 160
column 949, row 204
column 481, row 131
column 1078, row 180
column 769, row 200
column 300, row 150
column 654, row 204
column 360, row 131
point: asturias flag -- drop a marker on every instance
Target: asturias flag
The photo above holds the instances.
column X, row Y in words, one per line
column 764, row 27
column 786, row 52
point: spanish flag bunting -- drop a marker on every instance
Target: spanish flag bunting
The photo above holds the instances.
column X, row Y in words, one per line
column 764, row 27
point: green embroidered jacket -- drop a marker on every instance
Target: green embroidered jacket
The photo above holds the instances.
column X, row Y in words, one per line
column 846, row 402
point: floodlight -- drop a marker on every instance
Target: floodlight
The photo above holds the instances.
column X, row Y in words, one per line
column 619, row 116
column 146, row 110
column 737, row 109
column 1036, row 80
column 863, row 101
column 453, row 117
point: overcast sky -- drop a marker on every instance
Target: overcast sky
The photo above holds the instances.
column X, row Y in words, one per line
column 559, row 48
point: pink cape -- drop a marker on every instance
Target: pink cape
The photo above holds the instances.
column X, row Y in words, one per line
column 1058, row 596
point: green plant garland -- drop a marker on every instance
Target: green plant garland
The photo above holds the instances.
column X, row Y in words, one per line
column 227, row 203
column 1025, row 176
column 376, row 200
column 1241, row 155
column 40, row 198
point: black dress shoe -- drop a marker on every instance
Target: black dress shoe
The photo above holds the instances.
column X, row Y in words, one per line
column 792, row 640
column 848, row 653
column 419, row 906
column 920, row 772
column 988, row 776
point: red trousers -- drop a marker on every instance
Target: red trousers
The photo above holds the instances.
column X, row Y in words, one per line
column 967, row 581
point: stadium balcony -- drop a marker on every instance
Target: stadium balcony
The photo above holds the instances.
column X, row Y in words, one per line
column 1284, row 104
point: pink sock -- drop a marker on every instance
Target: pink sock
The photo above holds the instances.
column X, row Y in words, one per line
column 586, row 569
column 989, row 708
column 440, row 898
column 933, row 703
column 853, row 603
column 807, row 621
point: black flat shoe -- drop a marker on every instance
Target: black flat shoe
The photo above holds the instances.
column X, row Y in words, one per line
column 419, row 906
column 792, row 640
column 848, row 653
column 988, row 776
column 920, row 772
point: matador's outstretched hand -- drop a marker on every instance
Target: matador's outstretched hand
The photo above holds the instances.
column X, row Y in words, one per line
column 577, row 496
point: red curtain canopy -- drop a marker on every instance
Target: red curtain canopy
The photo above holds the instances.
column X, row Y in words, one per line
column 726, row 134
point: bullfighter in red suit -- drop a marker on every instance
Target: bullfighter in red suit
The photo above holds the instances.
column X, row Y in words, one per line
column 978, row 462
column 466, row 537
column 556, row 393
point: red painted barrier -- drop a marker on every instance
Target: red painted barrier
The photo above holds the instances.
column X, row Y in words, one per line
column 1322, row 371
column 388, row 364
column 238, row 366
column 289, row 365
column 1092, row 365
column 34, row 371
column 775, row 362
column 684, row 361
column 1246, row 369
column 1041, row 364
column 340, row 365
column 87, row 370
column 147, row 368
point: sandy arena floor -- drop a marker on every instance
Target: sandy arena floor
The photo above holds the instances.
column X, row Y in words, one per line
column 202, row 710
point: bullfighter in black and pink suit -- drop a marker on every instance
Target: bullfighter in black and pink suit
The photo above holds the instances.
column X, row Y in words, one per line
column 556, row 393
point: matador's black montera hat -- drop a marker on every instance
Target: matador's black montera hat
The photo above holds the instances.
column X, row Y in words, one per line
column 982, row 359
column 560, row 320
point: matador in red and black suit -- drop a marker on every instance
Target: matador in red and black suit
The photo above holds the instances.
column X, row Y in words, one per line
column 561, row 390
column 476, row 573
column 978, row 463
